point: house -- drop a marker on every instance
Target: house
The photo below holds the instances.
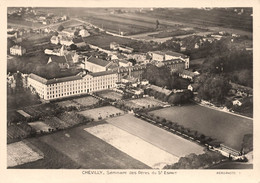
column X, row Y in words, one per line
column 124, row 63
column 144, row 82
column 67, row 32
column 84, row 33
column 55, row 40
column 237, row 102
column 125, row 49
column 193, row 87
column 114, row 46
column 17, row 50
column 94, row 64
column 66, row 41
column 57, row 52
column 79, row 42
column 161, row 90
column 174, row 65
column 241, row 90
column 188, row 74
column 62, row 61
column 169, row 55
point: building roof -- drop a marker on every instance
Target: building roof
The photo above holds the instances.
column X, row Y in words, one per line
column 38, row 78
column 98, row 61
column 175, row 54
column 17, row 47
column 103, row 73
column 188, row 73
column 161, row 90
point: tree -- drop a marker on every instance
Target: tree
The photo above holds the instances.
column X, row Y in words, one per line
column 60, row 28
column 157, row 24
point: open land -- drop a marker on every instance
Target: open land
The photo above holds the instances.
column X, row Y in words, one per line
column 76, row 148
column 225, row 127
column 110, row 94
column 86, row 101
column 163, row 139
column 19, row 153
column 133, row 146
column 39, row 126
column 103, row 112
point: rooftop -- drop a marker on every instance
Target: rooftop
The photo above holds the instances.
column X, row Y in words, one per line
column 103, row 73
column 161, row 90
column 98, row 61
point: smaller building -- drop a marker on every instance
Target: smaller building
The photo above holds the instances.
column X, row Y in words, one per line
column 55, row 40
column 79, row 42
column 237, row 102
column 114, row 46
column 17, row 50
column 188, row 74
column 84, row 33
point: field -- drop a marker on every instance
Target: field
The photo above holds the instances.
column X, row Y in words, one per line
column 163, row 139
column 42, row 110
column 133, row 146
column 103, row 112
column 110, row 94
column 18, row 131
column 19, row 153
column 104, row 40
column 225, row 127
column 76, row 148
column 67, row 103
column 86, row 101
column 147, row 102
column 55, row 122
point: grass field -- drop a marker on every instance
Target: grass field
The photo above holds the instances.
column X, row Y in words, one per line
column 147, row 102
column 67, row 103
column 133, row 146
column 76, row 148
column 103, row 112
column 163, row 139
column 110, row 94
column 86, row 101
column 19, row 153
column 104, row 40
column 224, row 127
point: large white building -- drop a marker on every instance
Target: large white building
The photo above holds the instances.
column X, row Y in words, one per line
column 81, row 83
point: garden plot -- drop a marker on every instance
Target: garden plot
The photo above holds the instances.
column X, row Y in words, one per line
column 40, row 126
column 110, row 95
column 55, row 122
column 133, row 146
column 147, row 102
column 67, row 103
column 86, row 101
column 103, row 112
column 19, row 153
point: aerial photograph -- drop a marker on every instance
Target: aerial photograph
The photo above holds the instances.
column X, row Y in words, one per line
column 129, row 88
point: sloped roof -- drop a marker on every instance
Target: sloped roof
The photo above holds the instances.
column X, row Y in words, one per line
column 161, row 90
column 103, row 73
column 98, row 61
column 58, row 59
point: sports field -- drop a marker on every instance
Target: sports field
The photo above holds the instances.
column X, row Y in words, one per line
column 133, row 146
column 19, row 153
column 227, row 128
column 103, row 112
column 158, row 137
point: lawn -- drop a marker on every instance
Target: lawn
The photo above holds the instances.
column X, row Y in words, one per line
column 103, row 112
column 67, row 103
column 133, row 146
column 154, row 135
column 225, row 127
column 76, row 148
column 19, row 153
column 86, row 101
column 147, row 102
column 110, row 94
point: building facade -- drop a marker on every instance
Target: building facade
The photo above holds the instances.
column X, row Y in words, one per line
column 81, row 83
column 17, row 50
